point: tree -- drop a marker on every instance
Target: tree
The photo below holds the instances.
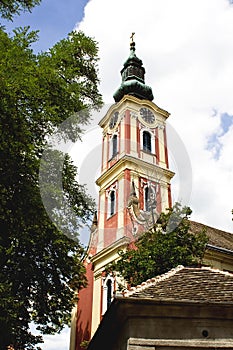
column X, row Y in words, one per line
column 8, row 8
column 166, row 245
column 40, row 266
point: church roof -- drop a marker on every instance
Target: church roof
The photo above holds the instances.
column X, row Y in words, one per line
column 217, row 238
column 133, row 82
column 203, row 285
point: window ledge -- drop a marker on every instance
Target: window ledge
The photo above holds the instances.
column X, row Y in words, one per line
column 148, row 152
column 109, row 217
column 113, row 157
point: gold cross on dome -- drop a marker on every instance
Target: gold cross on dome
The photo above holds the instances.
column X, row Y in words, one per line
column 131, row 37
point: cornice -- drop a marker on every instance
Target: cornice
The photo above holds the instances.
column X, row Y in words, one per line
column 127, row 100
column 129, row 162
column 110, row 249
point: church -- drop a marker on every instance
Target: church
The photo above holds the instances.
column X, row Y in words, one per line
column 134, row 188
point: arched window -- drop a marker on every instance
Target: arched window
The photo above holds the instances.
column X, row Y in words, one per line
column 146, row 141
column 146, row 198
column 114, row 145
column 108, row 292
column 112, row 203
column 149, row 198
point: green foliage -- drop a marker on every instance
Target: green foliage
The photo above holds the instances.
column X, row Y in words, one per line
column 168, row 244
column 9, row 8
column 84, row 344
column 40, row 266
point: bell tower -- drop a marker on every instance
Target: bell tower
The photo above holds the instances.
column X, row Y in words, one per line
column 134, row 187
column 135, row 179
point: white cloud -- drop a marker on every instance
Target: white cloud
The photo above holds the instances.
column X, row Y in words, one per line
column 187, row 51
column 53, row 342
column 60, row 341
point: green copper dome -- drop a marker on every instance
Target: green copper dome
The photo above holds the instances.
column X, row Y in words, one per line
column 133, row 82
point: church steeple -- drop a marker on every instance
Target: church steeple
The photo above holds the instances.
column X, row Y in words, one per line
column 134, row 188
column 133, row 78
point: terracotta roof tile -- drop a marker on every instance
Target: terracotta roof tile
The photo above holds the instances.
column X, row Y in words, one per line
column 188, row 284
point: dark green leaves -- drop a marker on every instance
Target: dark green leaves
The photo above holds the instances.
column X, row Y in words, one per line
column 40, row 262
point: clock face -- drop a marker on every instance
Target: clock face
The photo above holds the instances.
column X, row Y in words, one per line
column 113, row 120
column 147, row 115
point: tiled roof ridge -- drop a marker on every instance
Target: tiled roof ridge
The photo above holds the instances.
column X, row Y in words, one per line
column 211, row 227
column 153, row 281
column 170, row 273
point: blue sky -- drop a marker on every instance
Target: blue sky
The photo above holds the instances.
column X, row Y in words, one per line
column 53, row 18
column 214, row 143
